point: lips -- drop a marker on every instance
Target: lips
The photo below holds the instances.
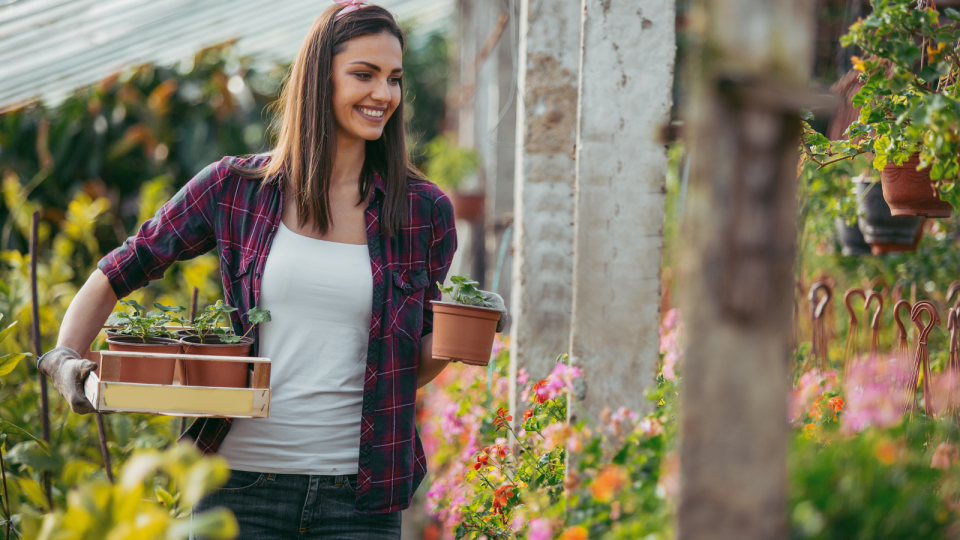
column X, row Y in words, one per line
column 373, row 114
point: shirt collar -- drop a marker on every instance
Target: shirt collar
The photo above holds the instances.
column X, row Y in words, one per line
column 378, row 187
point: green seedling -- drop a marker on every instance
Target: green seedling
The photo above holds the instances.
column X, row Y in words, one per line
column 464, row 291
column 145, row 324
column 207, row 323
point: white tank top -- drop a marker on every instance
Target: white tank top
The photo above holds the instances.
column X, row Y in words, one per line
column 319, row 294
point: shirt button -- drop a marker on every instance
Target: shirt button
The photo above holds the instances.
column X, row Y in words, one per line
column 258, row 275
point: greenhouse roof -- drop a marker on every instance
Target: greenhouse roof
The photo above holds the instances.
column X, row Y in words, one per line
column 48, row 48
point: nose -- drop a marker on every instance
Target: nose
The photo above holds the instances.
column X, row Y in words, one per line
column 381, row 92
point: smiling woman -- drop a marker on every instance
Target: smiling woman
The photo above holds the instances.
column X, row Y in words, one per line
column 342, row 240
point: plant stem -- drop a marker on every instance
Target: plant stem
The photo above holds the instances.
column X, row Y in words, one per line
column 526, row 451
column 6, row 499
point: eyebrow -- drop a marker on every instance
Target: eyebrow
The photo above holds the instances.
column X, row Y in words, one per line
column 374, row 66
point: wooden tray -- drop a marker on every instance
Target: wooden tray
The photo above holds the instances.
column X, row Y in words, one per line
column 110, row 395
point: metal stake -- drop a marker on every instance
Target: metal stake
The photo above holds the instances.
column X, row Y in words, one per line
column 37, row 346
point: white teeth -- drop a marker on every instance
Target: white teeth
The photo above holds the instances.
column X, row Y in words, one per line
column 371, row 112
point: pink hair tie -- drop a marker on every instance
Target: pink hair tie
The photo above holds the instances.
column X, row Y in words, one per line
column 351, row 6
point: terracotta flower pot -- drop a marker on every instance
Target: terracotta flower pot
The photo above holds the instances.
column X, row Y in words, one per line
column 909, row 191
column 463, row 333
column 467, row 205
column 144, row 370
column 851, row 239
column 885, row 232
column 215, row 373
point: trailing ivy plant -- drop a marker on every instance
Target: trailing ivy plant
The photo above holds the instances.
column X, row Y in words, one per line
column 464, row 291
column 910, row 100
column 145, row 325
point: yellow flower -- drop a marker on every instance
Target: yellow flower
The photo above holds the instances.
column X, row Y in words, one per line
column 933, row 51
column 858, row 63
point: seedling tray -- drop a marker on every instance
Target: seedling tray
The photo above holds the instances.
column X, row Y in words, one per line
column 108, row 394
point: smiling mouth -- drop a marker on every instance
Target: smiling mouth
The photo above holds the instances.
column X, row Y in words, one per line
column 374, row 115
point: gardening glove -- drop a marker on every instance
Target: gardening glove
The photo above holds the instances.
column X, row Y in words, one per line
column 496, row 302
column 68, row 371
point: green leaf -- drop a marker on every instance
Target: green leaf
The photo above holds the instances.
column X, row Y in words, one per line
column 257, row 315
column 134, row 304
column 118, row 318
column 952, row 14
column 7, row 427
column 170, row 309
column 33, row 455
column 164, row 498
column 215, row 524
column 806, row 115
column 9, row 362
column 230, row 339
column 6, row 331
column 33, row 491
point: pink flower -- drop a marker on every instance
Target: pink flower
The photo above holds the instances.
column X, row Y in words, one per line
column 875, row 395
column 561, row 377
column 671, row 332
column 522, row 377
column 811, row 385
column 650, row 427
column 944, row 456
column 540, row 529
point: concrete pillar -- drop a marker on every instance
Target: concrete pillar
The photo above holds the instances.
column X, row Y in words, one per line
column 739, row 234
column 626, row 81
column 542, row 270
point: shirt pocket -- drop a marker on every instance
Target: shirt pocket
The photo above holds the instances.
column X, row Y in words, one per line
column 235, row 270
column 408, row 291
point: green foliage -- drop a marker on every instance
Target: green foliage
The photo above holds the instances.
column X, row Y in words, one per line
column 449, row 165
column 464, row 291
column 426, row 76
column 875, row 485
column 207, row 322
column 910, row 100
column 140, row 505
column 145, row 325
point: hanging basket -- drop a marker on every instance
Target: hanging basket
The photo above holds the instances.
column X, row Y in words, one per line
column 884, row 232
column 909, row 192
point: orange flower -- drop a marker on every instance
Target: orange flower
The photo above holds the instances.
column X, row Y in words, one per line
column 482, row 460
column 886, row 452
column 610, row 480
column 502, row 418
column 500, row 497
column 810, row 430
column 815, row 412
column 574, row 533
column 836, row 404
column 537, row 398
column 527, row 414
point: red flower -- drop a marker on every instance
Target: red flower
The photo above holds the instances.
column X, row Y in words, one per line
column 537, row 398
column 836, row 403
column 500, row 497
column 482, row 460
column 502, row 418
column 497, row 450
column 527, row 414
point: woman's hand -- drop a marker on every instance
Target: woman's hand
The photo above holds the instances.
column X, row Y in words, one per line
column 496, row 302
column 68, row 372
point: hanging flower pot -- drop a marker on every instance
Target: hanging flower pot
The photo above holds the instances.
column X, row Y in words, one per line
column 144, row 370
column 468, row 205
column 851, row 239
column 909, row 192
column 215, row 373
column 885, row 232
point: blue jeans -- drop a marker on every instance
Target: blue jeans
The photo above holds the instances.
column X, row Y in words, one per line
column 297, row 506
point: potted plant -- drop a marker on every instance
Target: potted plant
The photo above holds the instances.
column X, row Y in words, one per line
column 909, row 106
column 464, row 329
column 449, row 166
column 885, row 232
column 850, row 237
column 144, row 332
column 212, row 339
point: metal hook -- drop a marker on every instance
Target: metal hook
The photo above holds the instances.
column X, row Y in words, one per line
column 896, row 315
column 882, row 282
column 817, row 308
column 916, row 314
column 875, row 322
column 951, row 291
column 848, row 297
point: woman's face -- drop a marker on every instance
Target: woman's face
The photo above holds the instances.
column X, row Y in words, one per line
column 366, row 85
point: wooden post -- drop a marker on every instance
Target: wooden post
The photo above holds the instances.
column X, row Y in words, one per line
column 542, row 272
column 740, row 232
column 37, row 344
column 626, row 82
column 104, row 451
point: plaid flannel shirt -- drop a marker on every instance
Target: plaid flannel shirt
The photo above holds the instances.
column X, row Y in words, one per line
column 219, row 209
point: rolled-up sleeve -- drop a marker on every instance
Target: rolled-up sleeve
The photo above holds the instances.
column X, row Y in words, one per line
column 182, row 229
column 443, row 244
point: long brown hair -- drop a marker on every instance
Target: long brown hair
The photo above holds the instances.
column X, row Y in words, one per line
column 307, row 143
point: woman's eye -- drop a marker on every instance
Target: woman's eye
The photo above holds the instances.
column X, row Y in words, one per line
column 395, row 80
column 363, row 76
